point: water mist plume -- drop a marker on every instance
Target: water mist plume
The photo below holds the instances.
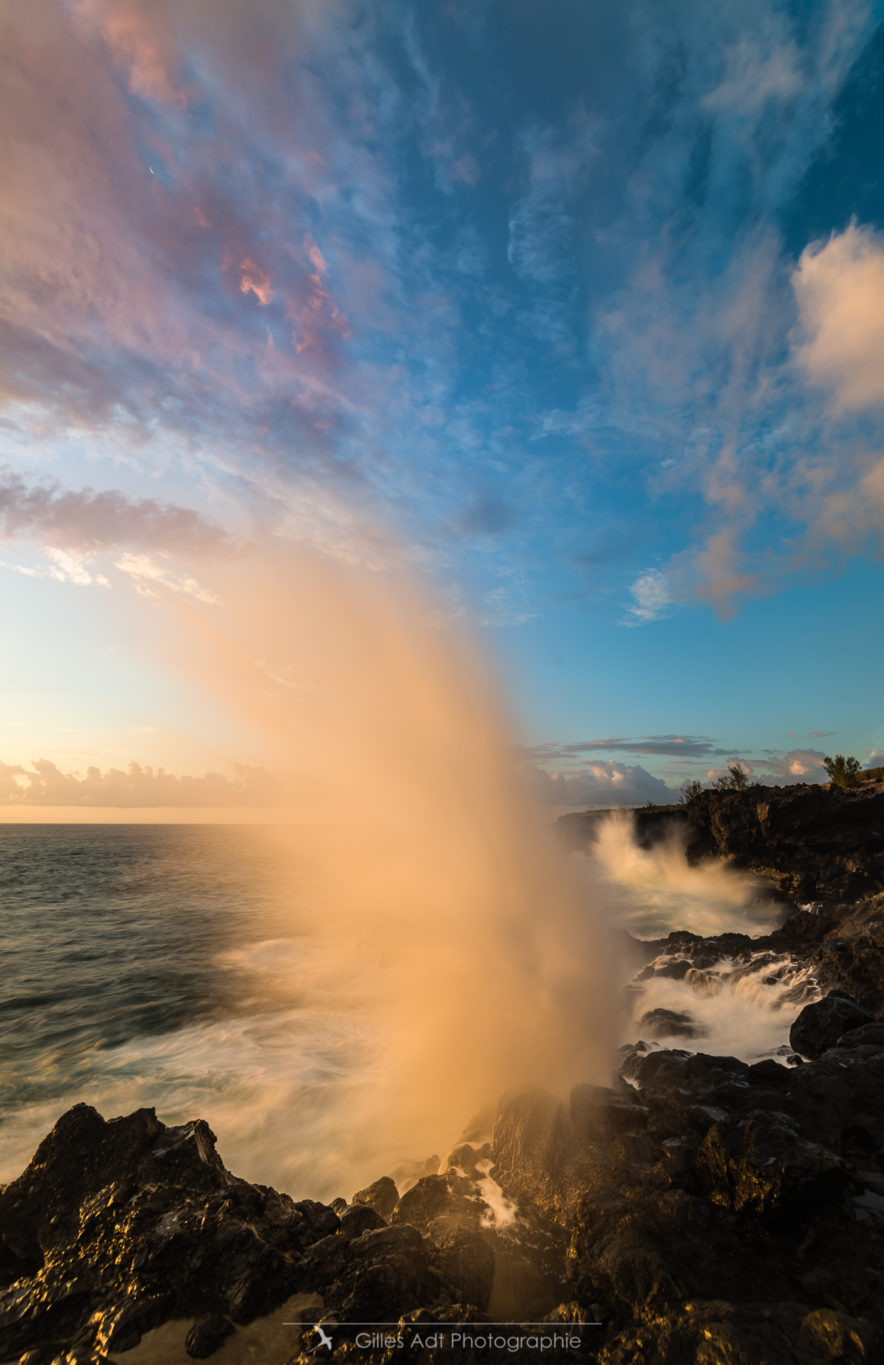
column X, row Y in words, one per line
column 655, row 890
column 449, row 942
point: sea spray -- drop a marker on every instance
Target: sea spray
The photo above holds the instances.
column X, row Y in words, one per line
column 656, row 889
column 444, row 939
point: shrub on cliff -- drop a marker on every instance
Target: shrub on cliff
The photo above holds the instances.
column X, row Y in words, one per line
column 842, row 771
column 735, row 780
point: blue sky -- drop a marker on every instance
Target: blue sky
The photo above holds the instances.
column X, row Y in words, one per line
column 583, row 302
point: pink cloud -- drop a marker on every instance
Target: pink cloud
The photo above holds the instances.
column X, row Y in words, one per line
column 116, row 250
column 141, row 41
column 88, row 521
column 256, row 281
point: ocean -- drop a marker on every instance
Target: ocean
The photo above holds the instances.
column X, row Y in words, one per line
column 161, row 965
column 137, row 971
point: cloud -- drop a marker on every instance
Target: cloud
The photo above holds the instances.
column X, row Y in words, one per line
column 675, row 746
column 757, row 74
column 716, row 574
column 541, row 223
column 269, row 243
column 71, row 568
column 142, row 44
column 797, row 765
column 87, row 521
column 149, row 576
column 839, row 287
column 44, row 784
column 599, row 784
column 653, row 598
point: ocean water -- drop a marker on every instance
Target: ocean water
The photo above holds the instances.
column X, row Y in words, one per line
column 138, row 963
column 162, row 966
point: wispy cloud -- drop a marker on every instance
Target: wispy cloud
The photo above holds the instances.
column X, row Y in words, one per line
column 85, row 521
column 150, row 577
column 676, row 746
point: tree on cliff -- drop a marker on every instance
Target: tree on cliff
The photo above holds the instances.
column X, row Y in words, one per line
column 735, row 780
column 842, row 771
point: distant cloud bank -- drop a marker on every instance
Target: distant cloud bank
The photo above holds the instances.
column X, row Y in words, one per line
column 44, row 784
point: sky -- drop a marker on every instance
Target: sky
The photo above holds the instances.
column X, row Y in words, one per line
column 580, row 305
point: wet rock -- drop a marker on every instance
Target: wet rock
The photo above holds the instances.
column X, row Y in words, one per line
column 838, row 1337
column 359, row 1218
column 538, row 1153
column 763, row 1164
column 465, row 1259
column 426, row 1200
column 374, row 1278
column 676, row 970
column 820, row 1026
column 598, row 1112
column 207, row 1334
column 382, row 1195
column 465, row 1157
column 120, row 1225
column 662, row 1023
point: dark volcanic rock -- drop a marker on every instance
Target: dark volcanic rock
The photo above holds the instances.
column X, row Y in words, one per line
column 207, row 1334
column 850, row 955
column 719, row 1213
column 116, row 1226
column 382, row 1195
column 764, row 1165
column 662, row 1023
column 359, row 1218
column 815, row 843
column 820, row 1025
column 374, row 1278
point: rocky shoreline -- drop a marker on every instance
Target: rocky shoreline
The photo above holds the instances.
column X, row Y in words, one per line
column 699, row 1209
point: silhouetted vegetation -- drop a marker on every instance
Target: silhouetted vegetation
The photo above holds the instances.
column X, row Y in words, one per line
column 842, row 770
column 736, row 779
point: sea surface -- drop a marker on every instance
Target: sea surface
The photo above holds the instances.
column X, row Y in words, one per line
column 160, row 965
column 132, row 972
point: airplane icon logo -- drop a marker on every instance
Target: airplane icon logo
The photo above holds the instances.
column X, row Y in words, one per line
column 324, row 1338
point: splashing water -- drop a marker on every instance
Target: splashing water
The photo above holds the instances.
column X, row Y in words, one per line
column 445, row 946
column 655, row 890
column 737, row 1009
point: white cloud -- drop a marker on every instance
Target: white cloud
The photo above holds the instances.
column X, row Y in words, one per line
column 839, row 286
column 599, row 783
column 71, row 568
column 65, row 567
column 797, row 765
column 653, row 598
column 147, row 576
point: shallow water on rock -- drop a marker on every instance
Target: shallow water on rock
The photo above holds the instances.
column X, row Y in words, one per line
column 729, row 1008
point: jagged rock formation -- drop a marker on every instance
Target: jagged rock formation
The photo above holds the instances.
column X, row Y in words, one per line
column 718, row 1212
